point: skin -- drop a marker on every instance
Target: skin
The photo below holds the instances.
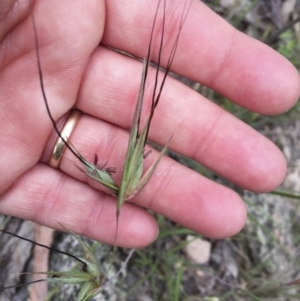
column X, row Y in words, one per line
column 104, row 84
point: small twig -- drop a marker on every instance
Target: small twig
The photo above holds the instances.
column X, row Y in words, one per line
column 271, row 40
column 120, row 270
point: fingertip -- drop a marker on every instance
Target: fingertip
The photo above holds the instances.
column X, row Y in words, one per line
column 285, row 84
column 274, row 173
column 277, row 85
column 228, row 217
column 266, row 166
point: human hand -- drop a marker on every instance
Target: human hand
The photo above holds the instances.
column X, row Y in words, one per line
column 104, row 84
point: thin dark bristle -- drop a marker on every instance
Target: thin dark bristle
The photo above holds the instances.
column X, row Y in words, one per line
column 159, row 59
column 44, row 93
column 156, row 98
column 41, row 245
column 148, row 59
column 173, row 51
column 23, row 284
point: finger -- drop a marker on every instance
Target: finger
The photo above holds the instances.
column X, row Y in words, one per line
column 204, row 132
column 11, row 14
column 174, row 191
column 51, row 198
column 210, row 51
column 63, row 55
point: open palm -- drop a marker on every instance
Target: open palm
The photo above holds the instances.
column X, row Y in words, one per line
column 80, row 71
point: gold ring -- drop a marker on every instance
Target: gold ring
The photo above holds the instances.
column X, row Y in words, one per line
column 66, row 132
